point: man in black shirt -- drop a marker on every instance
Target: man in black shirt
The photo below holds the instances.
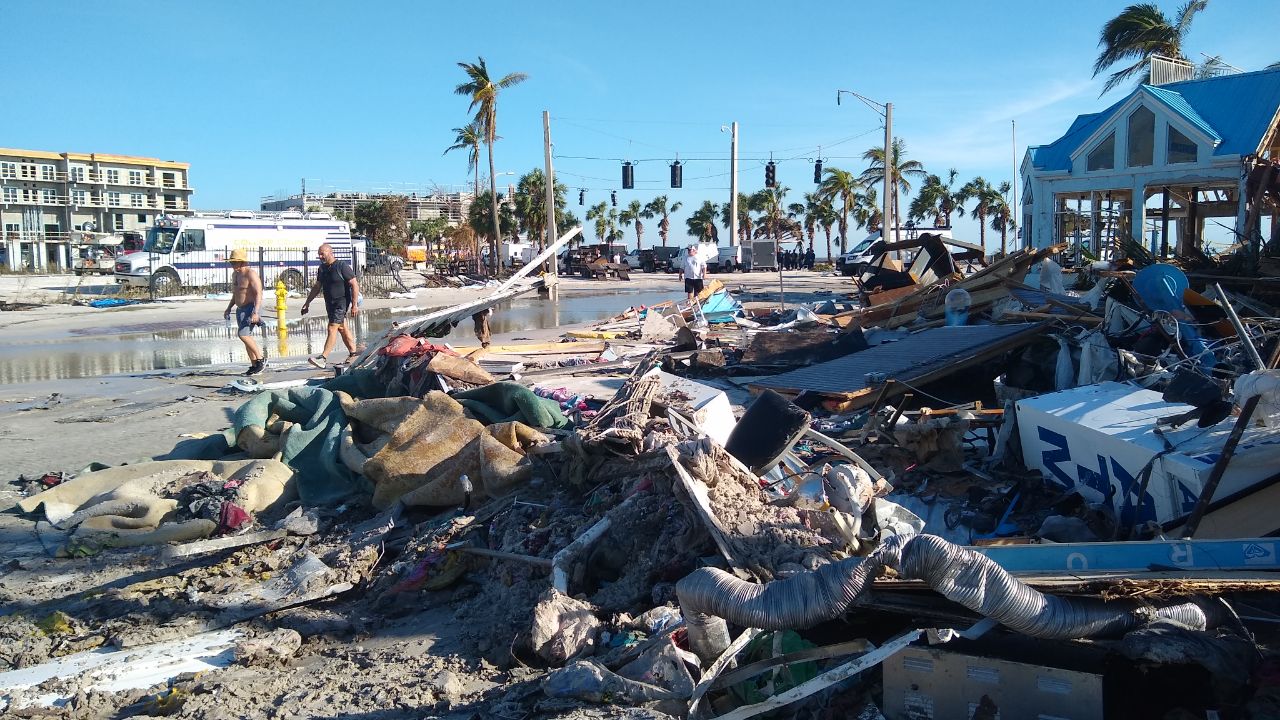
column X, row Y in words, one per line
column 337, row 281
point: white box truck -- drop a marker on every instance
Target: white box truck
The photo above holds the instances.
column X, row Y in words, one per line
column 191, row 251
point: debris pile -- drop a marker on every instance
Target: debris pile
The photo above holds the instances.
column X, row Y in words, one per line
column 711, row 509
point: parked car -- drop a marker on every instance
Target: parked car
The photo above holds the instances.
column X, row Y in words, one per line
column 660, row 259
column 635, row 258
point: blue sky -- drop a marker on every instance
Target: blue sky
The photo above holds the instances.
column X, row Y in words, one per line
column 258, row 95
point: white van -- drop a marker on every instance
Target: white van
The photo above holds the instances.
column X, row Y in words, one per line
column 191, row 251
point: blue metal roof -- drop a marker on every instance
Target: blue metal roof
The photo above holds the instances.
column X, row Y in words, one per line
column 1177, row 103
column 1239, row 108
column 1234, row 110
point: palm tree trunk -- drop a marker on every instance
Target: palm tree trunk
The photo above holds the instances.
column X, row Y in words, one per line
column 493, row 198
column 1004, row 246
column 475, row 239
column 982, row 230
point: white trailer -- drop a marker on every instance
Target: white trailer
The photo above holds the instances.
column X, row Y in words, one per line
column 191, row 251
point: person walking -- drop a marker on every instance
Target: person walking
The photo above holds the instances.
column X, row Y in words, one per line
column 246, row 299
column 809, row 258
column 693, row 269
column 337, row 281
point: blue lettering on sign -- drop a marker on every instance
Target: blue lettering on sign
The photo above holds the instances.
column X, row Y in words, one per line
column 1189, row 498
column 1059, row 453
column 1099, row 480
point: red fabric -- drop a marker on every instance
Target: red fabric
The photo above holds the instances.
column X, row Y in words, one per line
column 406, row 345
column 232, row 517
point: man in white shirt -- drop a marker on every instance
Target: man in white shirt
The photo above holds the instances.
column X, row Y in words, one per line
column 694, row 269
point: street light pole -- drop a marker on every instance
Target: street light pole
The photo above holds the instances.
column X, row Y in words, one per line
column 551, row 283
column 733, row 187
column 885, row 109
column 888, row 174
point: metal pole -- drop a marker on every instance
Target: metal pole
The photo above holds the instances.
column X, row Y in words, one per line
column 1240, row 331
column 553, row 289
column 733, row 187
column 887, row 212
column 1164, row 223
column 1219, row 468
column 1014, row 212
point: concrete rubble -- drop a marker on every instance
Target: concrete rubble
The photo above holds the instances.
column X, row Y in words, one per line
column 727, row 509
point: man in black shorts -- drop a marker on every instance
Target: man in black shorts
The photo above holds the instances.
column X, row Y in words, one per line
column 694, row 269
column 337, row 281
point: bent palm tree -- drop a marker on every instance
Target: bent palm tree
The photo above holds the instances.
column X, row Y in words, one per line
column 1140, row 31
column 468, row 137
column 702, row 223
column 483, row 92
column 936, row 198
column 658, row 207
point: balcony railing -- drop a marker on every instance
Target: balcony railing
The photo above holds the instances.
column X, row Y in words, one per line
column 97, row 178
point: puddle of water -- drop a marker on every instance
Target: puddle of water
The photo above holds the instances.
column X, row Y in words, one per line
column 170, row 345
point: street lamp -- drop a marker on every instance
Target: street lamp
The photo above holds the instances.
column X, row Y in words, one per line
column 886, row 213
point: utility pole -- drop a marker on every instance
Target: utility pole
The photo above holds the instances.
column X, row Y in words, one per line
column 551, row 282
column 1015, row 214
column 887, row 213
column 304, row 195
column 733, row 187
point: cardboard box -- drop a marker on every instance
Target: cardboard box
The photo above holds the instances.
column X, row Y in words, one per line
column 1097, row 439
column 924, row 683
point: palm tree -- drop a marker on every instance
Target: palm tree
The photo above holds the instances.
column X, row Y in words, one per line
column 531, row 205
column 658, row 207
column 1001, row 215
column 936, row 198
column 1140, row 31
column 702, row 223
column 480, row 220
column 600, row 214
column 984, row 197
column 866, row 211
column 770, row 203
column 745, row 221
column 825, row 216
column 902, row 169
column 483, row 92
column 843, row 185
column 633, row 214
column 468, row 137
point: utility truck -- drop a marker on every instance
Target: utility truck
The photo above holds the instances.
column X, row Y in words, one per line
column 191, row 251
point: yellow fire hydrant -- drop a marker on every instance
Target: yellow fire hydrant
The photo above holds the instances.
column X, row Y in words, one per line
column 282, row 321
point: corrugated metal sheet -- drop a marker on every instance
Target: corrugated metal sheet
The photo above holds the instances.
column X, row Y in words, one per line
column 911, row 357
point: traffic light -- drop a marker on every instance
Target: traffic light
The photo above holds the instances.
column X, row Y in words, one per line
column 817, row 172
column 628, row 176
column 582, row 197
column 613, row 197
column 770, row 174
column 677, row 175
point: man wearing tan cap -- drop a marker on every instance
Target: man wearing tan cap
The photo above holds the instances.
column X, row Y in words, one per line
column 246, row 298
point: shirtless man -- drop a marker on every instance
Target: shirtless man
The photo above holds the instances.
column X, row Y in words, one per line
column 337, row 282
column 246, row 298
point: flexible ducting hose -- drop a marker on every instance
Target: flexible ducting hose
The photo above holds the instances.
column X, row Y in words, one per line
column 709, row 597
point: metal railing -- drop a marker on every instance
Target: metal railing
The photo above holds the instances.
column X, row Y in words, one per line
column 1164, row 70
